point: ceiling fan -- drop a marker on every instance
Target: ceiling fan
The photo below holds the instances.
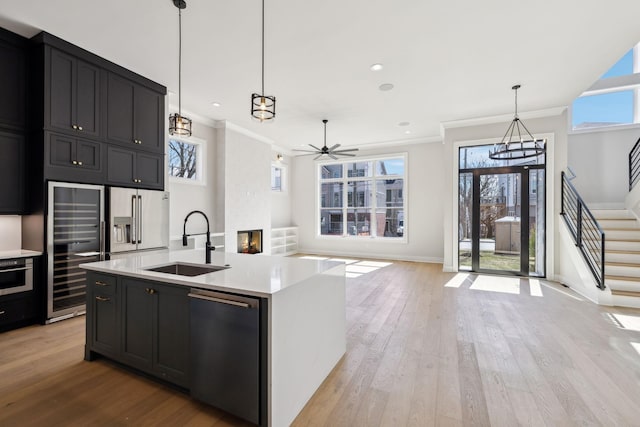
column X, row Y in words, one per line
column 332, row 152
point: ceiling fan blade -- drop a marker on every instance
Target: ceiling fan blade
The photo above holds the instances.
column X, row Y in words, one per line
column 319, row 149
column 333, row 157
column 340, row 153
column 310, row 153
column 317, row 157
column 345, row 150
column 334, row 147
column 304, row 151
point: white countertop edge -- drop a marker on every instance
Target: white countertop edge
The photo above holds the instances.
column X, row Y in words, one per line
column 260, row 276
column 19, row 253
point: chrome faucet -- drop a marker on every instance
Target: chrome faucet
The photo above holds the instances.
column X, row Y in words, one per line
column 208, row 248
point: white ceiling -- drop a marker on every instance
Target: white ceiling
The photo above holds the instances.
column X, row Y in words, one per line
column 448, row 60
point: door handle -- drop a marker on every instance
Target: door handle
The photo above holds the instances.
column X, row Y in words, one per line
column 220, row 300
column 99, row 298
column 139, row 219
column 134, row 218
column 150, row 291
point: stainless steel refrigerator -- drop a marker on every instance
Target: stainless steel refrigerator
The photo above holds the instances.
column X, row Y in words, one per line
column 138, row 219
column 77, row 233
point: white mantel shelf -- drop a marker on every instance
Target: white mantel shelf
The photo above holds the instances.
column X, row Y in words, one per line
column 306, row 311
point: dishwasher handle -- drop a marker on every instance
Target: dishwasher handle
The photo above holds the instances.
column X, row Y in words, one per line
column 219, row 300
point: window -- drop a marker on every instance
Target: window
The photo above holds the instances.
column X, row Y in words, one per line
column 185, row 160
column 277, row 174
column 613, row 99
column 363, row 198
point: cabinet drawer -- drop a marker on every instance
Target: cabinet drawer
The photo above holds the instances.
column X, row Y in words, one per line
column 16, row 310
column 103, row 284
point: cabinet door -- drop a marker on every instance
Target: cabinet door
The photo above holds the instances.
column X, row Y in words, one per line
column 120, row 166
column 11, row 173
column 171, row 349
column 61, row 91
column 149, row 171
column 87, row 99
column 12, row 86
column 149, row 109
column 103, row 309
column 137, row 323
column 74, row 160
column 120, row 102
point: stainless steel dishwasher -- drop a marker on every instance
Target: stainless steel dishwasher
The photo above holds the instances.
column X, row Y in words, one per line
column 225, row 352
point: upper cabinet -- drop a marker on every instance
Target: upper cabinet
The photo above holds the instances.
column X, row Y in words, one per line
column 73, row 103
column 13, row 78
column 134, row 115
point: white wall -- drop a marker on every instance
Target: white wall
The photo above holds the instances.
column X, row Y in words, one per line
column 556, row 127
column 600, row 162
column 281, row 200
column 247, row 184
column 10, row 232
column 424, row 209
column 186, row 197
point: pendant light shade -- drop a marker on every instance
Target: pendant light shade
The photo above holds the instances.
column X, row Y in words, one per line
column 263, row 107
column 178, row 124
column 515, row 143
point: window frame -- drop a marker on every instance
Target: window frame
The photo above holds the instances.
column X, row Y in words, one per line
column 283, row 177
column 201, row 154
column 373, row 179
column 604, row 85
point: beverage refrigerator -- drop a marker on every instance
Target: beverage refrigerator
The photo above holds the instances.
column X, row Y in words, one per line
column 87, row 223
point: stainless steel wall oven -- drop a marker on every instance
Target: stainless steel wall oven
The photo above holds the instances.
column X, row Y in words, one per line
column 16, row 275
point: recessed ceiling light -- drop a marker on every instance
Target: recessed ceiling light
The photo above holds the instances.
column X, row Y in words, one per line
column 376, row 67
column 385, row 87
column 407, row 132
column 404, row 124
column 215, row 104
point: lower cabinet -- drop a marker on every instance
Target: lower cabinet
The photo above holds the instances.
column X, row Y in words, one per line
column 142, row 324
column 16, row 310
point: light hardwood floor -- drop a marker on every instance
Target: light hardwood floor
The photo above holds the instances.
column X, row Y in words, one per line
column 423, row 348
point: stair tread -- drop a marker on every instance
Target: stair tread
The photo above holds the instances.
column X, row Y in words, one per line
column 625, row 278
column 620, row 251
column 625, row 293
column 622, row 264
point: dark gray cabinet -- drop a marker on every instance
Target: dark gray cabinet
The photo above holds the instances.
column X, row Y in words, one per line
column 155, row 329
column 73, row 159
column 13, row 77
column 72, row 98
column 134, row 115
column 102, row 304
column 133, row 168
column 12, row 162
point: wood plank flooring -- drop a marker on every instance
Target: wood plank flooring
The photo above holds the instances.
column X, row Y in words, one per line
column 424, row 348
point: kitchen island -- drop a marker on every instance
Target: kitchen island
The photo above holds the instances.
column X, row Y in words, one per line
column 158, row 323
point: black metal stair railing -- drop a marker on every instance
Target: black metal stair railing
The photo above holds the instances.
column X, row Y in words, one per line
column 634, row 165
column 586, row 232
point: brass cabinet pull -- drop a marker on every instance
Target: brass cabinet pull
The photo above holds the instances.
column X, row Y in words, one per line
column 99, row 298
column 74, row 162
column 150, row 291
column 79, row 127
column 75, row 127
column 137, row 180
column 2, row 312
column 80, row 163
column 99, row 283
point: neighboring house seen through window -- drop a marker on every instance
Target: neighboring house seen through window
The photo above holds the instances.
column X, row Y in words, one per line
column 363, row 198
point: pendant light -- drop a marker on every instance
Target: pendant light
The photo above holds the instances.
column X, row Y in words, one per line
column 515, row 144
column 178, row 124
column 263, row 107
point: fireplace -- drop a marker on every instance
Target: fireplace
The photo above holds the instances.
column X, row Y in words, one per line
column 250, row 242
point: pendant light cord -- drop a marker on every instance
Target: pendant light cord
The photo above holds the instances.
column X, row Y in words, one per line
column 179, row 62
column 262, row 47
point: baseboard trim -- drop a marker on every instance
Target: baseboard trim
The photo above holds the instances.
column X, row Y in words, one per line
column 430, row 260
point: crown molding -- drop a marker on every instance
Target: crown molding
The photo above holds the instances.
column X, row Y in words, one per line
column 503, row 118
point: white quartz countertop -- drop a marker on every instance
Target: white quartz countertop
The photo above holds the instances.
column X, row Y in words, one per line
column 18, row 253
column 257, row 275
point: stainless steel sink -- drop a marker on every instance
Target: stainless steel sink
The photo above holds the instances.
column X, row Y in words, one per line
column 184, row 269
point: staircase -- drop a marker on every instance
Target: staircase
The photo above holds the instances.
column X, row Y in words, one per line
column 622, row 255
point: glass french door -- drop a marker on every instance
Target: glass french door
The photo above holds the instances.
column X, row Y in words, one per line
column 501, row 220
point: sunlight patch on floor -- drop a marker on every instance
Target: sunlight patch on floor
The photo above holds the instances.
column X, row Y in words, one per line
column 377, row 264
column 636, row 346
column 505, row 285
column 534, row 288
column 457, row 280
column 345, row 260
column 313, row 257
column 624, row 321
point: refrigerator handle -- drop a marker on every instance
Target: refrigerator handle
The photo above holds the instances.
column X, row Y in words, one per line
column 134, row 219
column 139, row 219
column 102, row 240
